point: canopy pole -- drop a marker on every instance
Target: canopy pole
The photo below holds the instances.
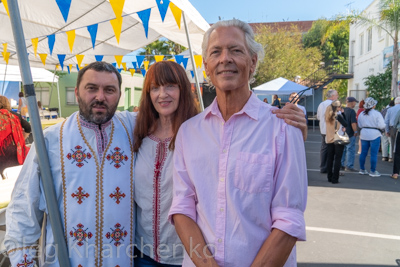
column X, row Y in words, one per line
column 193, row 63
column 58, row 93
column 44, row 165
column 4, row 81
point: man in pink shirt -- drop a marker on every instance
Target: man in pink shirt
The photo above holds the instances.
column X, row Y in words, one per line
column 240, row 177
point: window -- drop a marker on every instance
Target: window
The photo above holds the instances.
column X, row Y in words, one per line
column 127, row 98
column 70, row 96
column 42, row 95
column 361, row 44
column 369, row 39
column 137, row 95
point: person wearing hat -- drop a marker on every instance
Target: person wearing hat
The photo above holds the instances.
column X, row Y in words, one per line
column 371, row 123
column 386, row 142
column 390, row 127
column 349, row 151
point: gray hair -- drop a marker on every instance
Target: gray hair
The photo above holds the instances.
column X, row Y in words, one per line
column 330, row 93
column 253, row 47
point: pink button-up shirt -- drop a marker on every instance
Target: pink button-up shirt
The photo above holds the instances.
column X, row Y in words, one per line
column 239, row 179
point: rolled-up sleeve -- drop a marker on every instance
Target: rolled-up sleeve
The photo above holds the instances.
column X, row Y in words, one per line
column 290, row 194
column 184, row 196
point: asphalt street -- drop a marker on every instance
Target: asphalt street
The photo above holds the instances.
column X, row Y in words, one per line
column 353, row 223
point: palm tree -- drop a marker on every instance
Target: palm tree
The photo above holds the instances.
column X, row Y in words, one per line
column 388, row 21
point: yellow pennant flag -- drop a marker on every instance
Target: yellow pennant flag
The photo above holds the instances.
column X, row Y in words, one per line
column 43, row 58
column 124, row 65
column 146, row 64
column 117, row 6
column 132, row 71
column 118, row 58
column 117, row 27
column 6, row 7
column 5, row 47
column 57, row 67
column 171, row 59
column 70, row 67
column 79, row 58
column 158, row 58
column 198, row 60
column 177, row 12
column 71, row 39
column 204, row 74
column 6, row 56
column 86, row 65
column 35, row 42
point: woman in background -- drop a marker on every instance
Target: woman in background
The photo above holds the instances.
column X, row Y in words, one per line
column 276, row 102
column 360, row 109
column 22, row 105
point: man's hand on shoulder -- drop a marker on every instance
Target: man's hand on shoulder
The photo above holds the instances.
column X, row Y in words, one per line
column 293, row 116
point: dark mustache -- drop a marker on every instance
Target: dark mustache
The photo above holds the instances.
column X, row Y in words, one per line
column 99, row 103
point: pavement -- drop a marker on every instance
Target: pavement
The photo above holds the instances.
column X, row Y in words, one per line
column 354, row 223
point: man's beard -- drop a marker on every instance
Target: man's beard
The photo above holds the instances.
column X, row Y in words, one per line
column 86, row 111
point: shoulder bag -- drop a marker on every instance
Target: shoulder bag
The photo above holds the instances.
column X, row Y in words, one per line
column 340, row 139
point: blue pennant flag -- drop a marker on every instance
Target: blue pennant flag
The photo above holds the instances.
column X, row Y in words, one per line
column 139, row 60
column 64, row 6
column 143, row 72
column 179, row 59
column 145, row 16
column 119, row 70
column 185, row 62
column 93, row 33
column 163, row 7
column 69, row 70
column 98, row 57
column 51, row 39
column 134, row 65
column 114, row 64
column 191, row 72
column 77, row 67
column 61, row 60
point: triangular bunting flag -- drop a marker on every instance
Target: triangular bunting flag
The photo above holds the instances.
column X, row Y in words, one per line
column 144, row 15
column 119, row 70
column 69, row 69
column 134, row 65
column 77, row 67
column 132, row 71
column 35, row 42
column 191, row 72
column 179, row 59
column 114, row 64
column 71, row 39
column 185, row 62
column 163, row 7
column 158, row 58
column 64, row 6
column 198, row 59
column 143, row 72
column 118, row 59
column 139, row 60
column 146, row 64
column 117, row 6
column 6, row 56
column 5, row 47
column 124, row 65
column 6, row 7
column 117, row 27
column 93, row 33
column 43, row 58
column 177, row 12
column 204, row 74
column 171, row 59
column 51, row 39
column 79, row 59
column 98, row 57
column 61, row 60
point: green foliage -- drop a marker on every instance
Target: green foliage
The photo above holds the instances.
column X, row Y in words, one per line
column 378, row 87
column 161, row 47
column 285, row 55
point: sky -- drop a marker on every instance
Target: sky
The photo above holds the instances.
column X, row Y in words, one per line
column 275, row 10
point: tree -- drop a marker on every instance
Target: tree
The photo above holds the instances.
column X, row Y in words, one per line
column 388, row 21
column 162, row 47
column 285, row 55
column 378, row 87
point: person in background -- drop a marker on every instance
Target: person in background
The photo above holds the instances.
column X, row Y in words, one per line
column 390, row 127
column 13, row 132
column 386, row 142
column 265, row 100
column 371, row 123
column 360, row 109
column 39, row 104
column 335, row 121
column 276, row 102
column 22, row 105
column 135, row 109
column 331, row 96
column 349, row 152
column 166, row 102
column 293, row 96
column 396, row 154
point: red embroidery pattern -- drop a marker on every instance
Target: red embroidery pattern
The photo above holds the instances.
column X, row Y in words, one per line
column 80, row 234
column 79, row 156
column 80, row 195
column 117, row 157
column 26, row 263
column 117, row 195
column 117, row 234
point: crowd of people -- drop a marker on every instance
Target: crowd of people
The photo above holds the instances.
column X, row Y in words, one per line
column 376, row 130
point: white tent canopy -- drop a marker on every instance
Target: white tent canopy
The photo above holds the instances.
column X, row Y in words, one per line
column 280, row 86
column 41, row 18
column 13, row 74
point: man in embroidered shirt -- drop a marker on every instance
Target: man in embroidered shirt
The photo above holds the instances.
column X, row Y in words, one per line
column 239, row 199
column 91, row 161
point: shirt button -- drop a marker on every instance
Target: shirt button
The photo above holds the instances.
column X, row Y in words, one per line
column 221, row 209
column 222, row 179
column 224, row 150
column 219, row 240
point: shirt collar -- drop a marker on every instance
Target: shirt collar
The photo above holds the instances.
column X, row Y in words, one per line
column 92, row 125
column 251, row 108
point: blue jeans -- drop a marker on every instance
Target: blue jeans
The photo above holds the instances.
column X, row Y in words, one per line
column 365, row 145
column 350, row 152
column 146, row 261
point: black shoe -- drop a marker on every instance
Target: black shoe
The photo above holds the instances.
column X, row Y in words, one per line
column 350, row 170
column 323, row 171
column 342, row 168
column 335, row 182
